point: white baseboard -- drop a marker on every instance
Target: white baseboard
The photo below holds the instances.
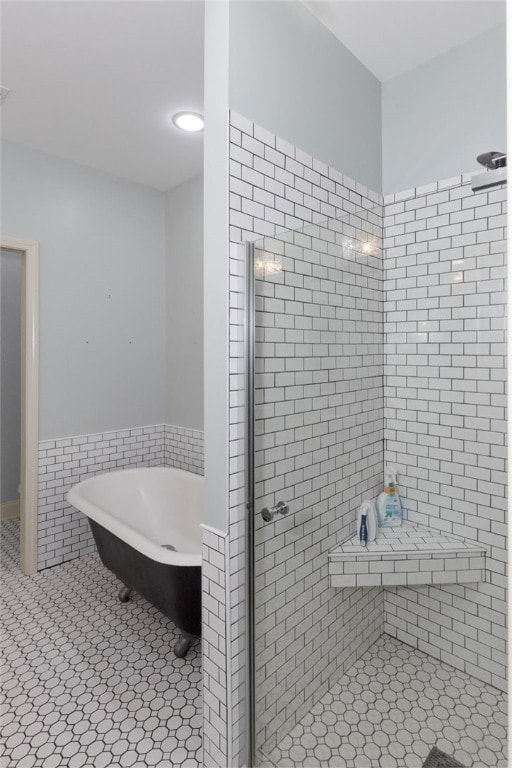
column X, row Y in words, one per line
column 9, row 509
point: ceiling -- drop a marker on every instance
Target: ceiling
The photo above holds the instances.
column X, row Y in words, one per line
column 97, row 83
column 393, row 36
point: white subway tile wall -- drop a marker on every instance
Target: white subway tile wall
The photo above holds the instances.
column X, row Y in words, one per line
column 306, row 631
column 236, row 584
column 214, row 648
column 319, row 421
column 445, row 428
column 63, row 532
column 184, row 448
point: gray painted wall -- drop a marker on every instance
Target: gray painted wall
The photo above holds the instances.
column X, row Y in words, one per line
column 438, row 117
column 184, row 316
column 216, row 274
column 10, row 370
column 290, row 75
column 102, row 290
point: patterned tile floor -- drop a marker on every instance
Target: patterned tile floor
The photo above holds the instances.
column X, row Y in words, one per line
column 389, row 710
column 86, row 680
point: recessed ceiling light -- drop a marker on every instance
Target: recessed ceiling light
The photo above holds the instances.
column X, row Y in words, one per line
column 188, row 121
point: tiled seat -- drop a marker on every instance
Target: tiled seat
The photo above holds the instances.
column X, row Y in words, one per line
column 406, row 555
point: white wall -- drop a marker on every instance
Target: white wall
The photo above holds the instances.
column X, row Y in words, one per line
column 292, row 76
column 439, row 116
column 10, row 368
column 184, row 301
column 216, row 268
column 102, row 290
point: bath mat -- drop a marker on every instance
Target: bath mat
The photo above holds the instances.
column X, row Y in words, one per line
column 438, row 759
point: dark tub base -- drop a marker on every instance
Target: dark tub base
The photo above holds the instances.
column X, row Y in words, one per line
column 173, row 589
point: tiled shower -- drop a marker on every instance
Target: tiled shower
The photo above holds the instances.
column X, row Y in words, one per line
column 444, row 389
column 379, row 333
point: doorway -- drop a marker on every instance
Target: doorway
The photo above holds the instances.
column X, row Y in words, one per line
column 27, row 251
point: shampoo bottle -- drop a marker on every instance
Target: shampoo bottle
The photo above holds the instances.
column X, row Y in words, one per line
column 389, row 508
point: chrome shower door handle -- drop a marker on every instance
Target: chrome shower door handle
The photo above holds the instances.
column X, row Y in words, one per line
column 268, row 513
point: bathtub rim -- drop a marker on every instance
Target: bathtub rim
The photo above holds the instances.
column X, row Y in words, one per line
column 125, row 532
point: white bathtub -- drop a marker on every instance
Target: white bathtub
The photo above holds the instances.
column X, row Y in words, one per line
column 147, row 508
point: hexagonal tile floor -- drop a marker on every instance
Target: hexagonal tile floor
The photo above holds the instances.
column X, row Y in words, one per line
column 87, row 680
column 389, row 710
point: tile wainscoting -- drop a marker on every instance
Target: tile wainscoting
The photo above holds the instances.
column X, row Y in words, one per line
column 184, row 448
column 216, row 667
column 63, row 532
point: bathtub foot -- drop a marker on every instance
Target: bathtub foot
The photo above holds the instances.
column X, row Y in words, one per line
column 124, row 593
column 182, row 645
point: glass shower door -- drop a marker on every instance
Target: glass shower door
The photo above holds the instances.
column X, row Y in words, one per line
column 315, row 319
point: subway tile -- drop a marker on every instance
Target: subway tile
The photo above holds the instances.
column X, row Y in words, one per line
column 460, row 430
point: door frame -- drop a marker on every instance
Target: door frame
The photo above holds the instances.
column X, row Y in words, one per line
column 29, row 251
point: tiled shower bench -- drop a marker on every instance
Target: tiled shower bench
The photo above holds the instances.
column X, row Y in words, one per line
column 408, row 555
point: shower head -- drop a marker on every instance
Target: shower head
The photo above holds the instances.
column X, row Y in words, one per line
column 492, row 160
column 496, row 173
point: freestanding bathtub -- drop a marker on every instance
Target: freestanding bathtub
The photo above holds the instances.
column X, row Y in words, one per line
column 145, row 523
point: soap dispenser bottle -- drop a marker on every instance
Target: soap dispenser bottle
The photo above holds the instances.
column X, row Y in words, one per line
column 389, row 508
